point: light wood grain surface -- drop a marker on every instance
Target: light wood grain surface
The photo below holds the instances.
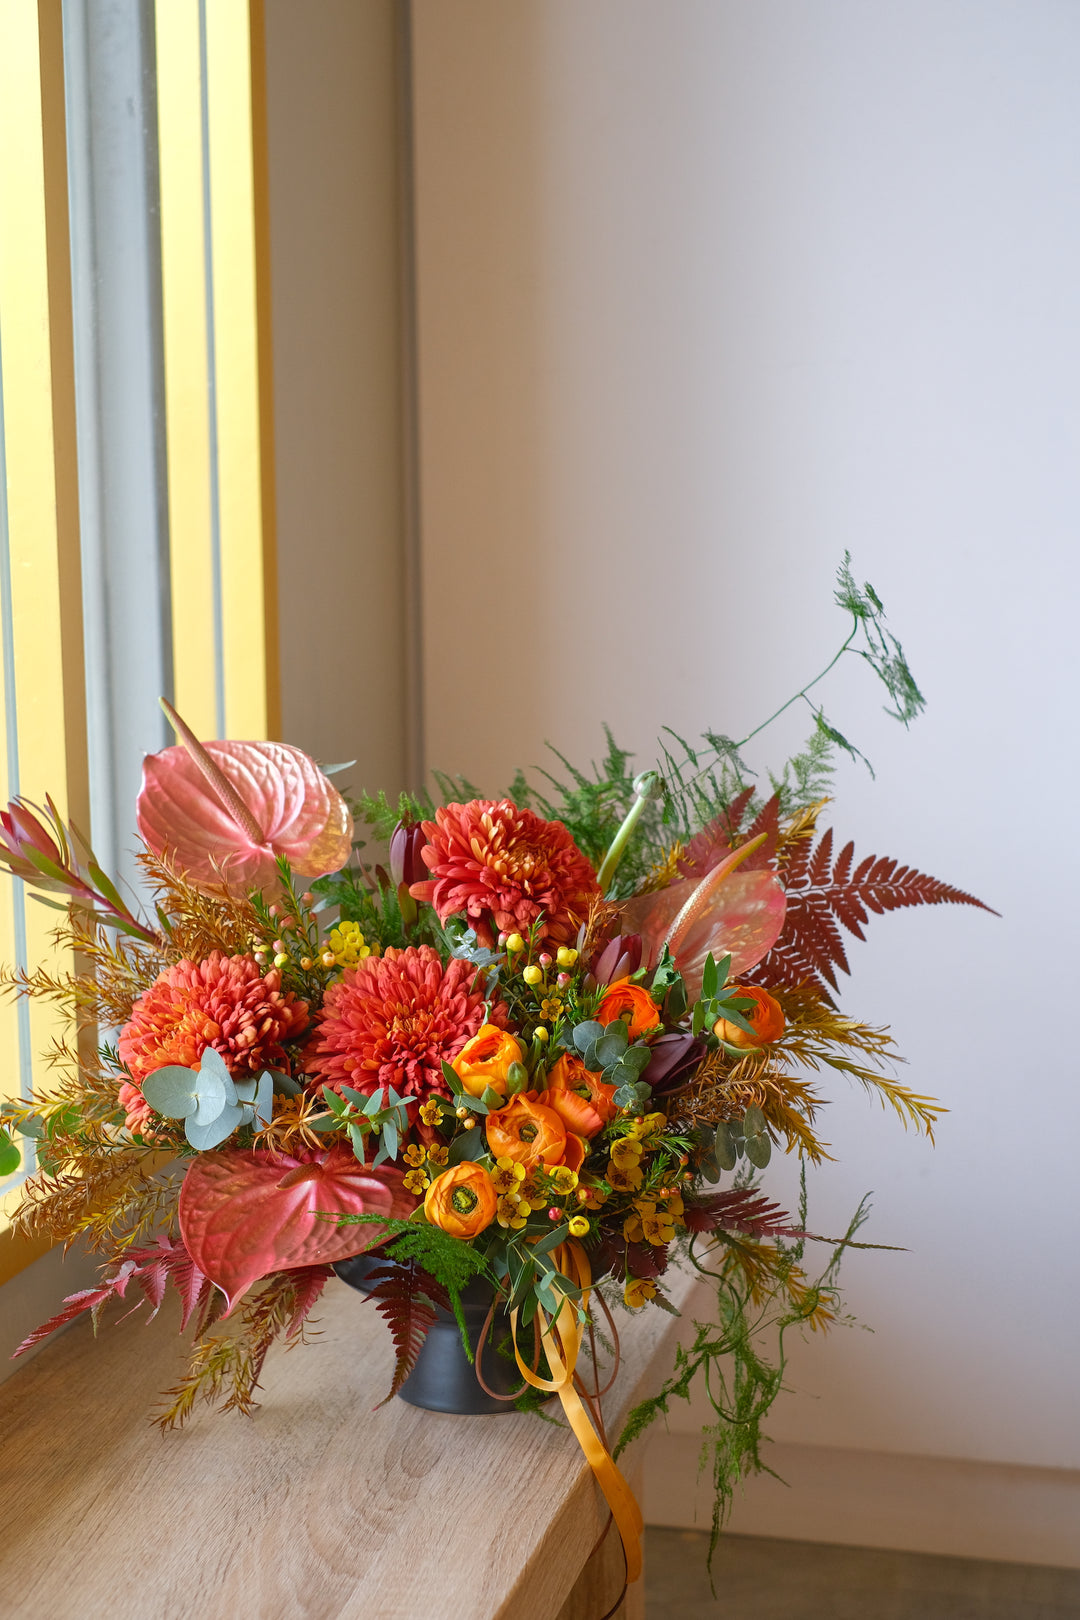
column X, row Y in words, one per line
column 318, row 1508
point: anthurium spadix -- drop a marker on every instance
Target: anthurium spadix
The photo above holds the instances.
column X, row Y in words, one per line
column 222, row 812
column 209, row 1101
column 246, row 1214
column 725, row 913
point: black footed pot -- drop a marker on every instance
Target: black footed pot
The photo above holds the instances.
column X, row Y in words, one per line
column 444, row 1379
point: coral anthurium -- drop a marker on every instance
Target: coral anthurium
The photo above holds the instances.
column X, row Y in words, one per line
column 244, row 1213
column 222, row 812
column 726, row 913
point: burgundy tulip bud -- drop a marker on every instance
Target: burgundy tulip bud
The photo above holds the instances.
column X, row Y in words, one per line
column 406, row 842
column 619, row 958
column 27, row 830
column 674, row 1062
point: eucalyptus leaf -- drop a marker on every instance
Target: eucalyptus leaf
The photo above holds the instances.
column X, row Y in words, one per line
column 212, row 1063
column 10, row 1156
column 213, row 1093
column 758, row 1151
column 359, row 1142
column 710, row 1167
column 390, row 1139
column 171, row 1091
column 33, row 1126
column 263, row 1105
column 753, row 1121
column 724, row 1150
column 636, row 1059
column 586, row 1034
column 204, row 1135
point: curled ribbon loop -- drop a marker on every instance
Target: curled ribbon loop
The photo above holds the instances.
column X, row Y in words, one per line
column 561, row 1337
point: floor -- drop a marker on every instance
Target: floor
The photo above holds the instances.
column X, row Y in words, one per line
column 758, row 1579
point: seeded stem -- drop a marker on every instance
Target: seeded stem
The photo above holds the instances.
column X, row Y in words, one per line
column 648, row 786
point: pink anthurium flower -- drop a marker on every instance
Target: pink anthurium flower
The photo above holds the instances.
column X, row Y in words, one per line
column 740, row 914
column 244, row 1214
column 224, row 811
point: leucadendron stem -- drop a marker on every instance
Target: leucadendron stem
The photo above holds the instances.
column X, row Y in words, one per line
column 649, row 785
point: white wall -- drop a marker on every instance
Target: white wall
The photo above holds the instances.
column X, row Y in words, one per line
column 335, row 276
column 709, row 292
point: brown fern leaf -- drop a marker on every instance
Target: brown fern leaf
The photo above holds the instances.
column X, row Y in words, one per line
column 739, row 1209
column 406, row 1296
column 824, row 895
column 308, row 1284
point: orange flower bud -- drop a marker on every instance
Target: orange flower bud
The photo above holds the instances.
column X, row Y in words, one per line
column 462, row 1201
column 765, row 1015
column 486, row 1059
column 623, row 998
column 527, row 1132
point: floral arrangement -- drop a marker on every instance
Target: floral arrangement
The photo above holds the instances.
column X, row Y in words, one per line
column 529, row 1044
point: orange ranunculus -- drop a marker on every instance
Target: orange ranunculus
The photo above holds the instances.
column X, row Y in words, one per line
column 766, row 1016
column 576, row 1112
column 527, row 1132
column 575, row 1152
column 570, row 1074
column 462, row 1201
column 624, row 998
column 486, row 1059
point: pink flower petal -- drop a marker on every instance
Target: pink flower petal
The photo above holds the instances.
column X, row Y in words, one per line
column 246, row 1214
column 298, row 811
column 741, row 913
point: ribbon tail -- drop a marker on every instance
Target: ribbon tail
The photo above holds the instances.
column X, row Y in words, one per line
column 617, row 1493
column 561, row 1339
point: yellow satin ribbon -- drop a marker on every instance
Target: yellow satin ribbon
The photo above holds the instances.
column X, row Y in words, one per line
column 561, row 1338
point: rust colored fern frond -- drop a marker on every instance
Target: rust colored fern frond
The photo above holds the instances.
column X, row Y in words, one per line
column 825, row 895
column 406, row 1297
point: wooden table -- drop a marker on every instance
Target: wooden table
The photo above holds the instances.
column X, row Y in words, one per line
column 319, row 1508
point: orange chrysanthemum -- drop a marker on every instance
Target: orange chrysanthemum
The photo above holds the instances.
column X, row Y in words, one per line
column 226, row 1002
column 502, row 867
column 396, row 1019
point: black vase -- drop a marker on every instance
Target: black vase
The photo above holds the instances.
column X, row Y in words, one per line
column 444, row 1378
